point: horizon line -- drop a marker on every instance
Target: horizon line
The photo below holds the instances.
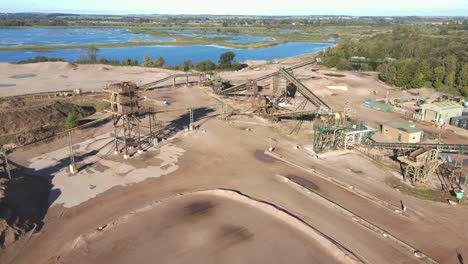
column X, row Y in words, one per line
column 232, row 15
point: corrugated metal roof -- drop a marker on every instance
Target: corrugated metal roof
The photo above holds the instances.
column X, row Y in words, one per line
column 443, row 105
column 403, row 125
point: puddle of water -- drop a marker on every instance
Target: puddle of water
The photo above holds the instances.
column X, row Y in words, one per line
column 6, row 85
column 260, row 155
column 23, row 75
column 303, row 182
column 199, row 208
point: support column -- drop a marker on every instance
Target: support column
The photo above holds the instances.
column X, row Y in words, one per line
column 72, row 166
column 125, row 129
column 191, row 127
column 116, row 140
column 137, row 126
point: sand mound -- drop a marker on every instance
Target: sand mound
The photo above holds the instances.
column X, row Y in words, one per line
column 255, row 63
column 52, row 66
column 339, row 88
column 293, row 60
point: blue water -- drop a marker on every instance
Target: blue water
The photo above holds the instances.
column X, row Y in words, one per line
column 6, row 85
column 289, row 30
column 232, row 38
column 174, row 55
column 71, row 36
column 23, row 75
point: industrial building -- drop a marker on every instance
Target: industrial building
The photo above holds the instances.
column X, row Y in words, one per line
column 440, row 112
column 460, row 121
column 402, row 131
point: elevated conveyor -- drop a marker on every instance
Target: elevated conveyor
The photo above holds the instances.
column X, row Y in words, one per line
column 446, row 148
column 153, row 85
column 308, row 94
column 243, row 86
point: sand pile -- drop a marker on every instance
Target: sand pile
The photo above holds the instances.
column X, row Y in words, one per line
column 28, row 124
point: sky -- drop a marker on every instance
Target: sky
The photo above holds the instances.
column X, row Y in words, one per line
column 245, row 7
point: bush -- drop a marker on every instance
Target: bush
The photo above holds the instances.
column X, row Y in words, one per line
column 205, row 66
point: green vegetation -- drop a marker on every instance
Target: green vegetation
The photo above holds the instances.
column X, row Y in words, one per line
column 226, row 59
column 7, row 139
column 147, row 62
column 89, row 56
column 408, row 57
column 225, row 62
column 71, row 121
column 205, row 66
column 39, row 59
column 421, row 193
column 98, row 106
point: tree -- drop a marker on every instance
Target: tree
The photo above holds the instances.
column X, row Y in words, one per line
column 71, row 121
column 449, row 79
column 462, row 80
column 439, row 73
column 89, row 54
column 225, row 60
column 344, row 65
column 159, row 62
column 184, row 66
column 205, row 66
column 147, row 62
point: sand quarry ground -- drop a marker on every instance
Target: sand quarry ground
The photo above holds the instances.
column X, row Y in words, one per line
column 213, row 196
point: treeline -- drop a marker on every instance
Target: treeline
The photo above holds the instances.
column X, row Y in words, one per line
column 225, row 62
column 43, row 19
column 407, row 57
column 90, row 56
column 39, row 59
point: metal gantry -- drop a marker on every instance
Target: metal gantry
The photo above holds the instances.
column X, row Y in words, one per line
column 335, row 131
column 125, row 108
column 420, row 164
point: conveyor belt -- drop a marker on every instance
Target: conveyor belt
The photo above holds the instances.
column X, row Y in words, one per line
column 243, row 86
column 308, row 94
column 292, row 114
column 152, row 85
column 446, row 148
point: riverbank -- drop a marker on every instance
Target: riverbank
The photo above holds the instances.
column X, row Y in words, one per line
column 205, row 36
column 174, row 55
